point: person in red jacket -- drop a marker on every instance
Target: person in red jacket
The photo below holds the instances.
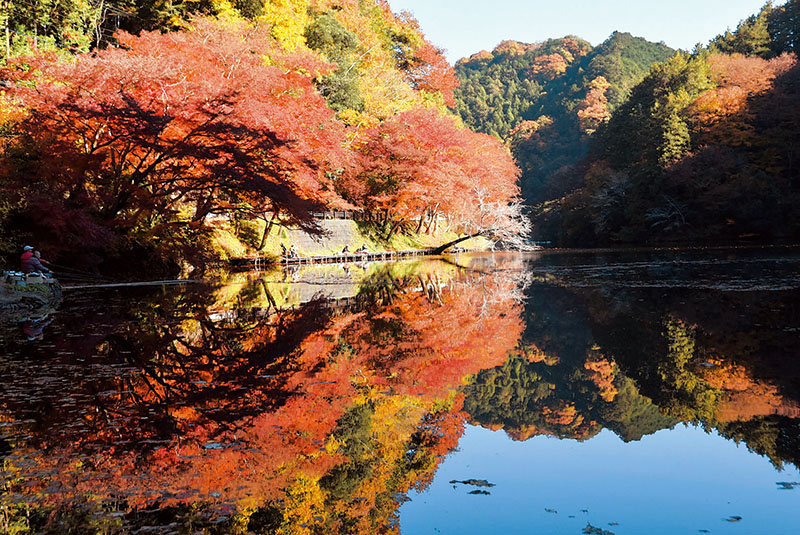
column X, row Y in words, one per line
column 27, row 253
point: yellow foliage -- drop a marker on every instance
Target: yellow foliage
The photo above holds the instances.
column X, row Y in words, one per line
column 10, row 110
column 288, row 19
column 305, row 510
column 225, row 10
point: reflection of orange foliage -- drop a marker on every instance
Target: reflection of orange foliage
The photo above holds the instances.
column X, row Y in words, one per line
column 563, row 414
column 743, row 397
column 728, row 376
column 473, row 327
column 601, row 372
column 524, row 432
column 532, row 353
column 404, row 358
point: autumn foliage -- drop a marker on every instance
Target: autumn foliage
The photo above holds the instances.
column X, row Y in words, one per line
column 169, row 129
column 421, row 165
column 130, row 151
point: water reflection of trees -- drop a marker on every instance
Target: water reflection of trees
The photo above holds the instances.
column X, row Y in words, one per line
column 303, row 418
column 636, row 361
column 256, row 407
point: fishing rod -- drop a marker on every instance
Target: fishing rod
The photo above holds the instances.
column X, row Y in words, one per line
column 68, row 277
column 172, row 282
column 78, row 272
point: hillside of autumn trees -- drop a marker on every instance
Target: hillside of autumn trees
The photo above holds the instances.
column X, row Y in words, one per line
column 631, row 142
column 118, row 149
column 703, row 150
column 546, row 99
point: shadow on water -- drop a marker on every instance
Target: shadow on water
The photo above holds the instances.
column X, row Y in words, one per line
column 313, row 401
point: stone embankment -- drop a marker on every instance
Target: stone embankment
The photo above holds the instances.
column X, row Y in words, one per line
column 24, row 296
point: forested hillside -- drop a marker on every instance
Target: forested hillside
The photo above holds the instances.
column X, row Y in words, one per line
column 705, row 149
column 118, row 147
column 547, row 98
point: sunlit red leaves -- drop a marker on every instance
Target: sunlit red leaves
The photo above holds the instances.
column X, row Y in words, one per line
column 182, row 119
column 430, row 71
column 421, row 160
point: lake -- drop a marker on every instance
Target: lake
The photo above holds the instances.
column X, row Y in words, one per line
column 608, row 392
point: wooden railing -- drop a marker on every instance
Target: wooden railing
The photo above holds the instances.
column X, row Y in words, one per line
column 355, row 215
column 257, row 262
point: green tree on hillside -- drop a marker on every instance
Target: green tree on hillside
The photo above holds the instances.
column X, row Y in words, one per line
column 769, row 33
column 751, row 37
column 784, row 27
column 328, row 36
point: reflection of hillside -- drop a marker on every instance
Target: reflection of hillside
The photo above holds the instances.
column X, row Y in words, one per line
column 554, row 398
column 636, row 360
column 311, row 419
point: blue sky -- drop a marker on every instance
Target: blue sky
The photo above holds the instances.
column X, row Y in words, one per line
column 464, row 27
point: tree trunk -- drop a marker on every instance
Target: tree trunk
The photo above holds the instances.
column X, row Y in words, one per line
column 443, row 248
column 7, row 9
column 203, row 208
column 267, row 228
column 97, row 22
column 393, row 229
column 421, row 220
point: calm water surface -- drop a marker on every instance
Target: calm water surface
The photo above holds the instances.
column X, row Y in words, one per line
column 596, row 392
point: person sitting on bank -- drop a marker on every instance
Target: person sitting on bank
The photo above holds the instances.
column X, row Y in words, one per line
column 293, row 252
column 362, row 249
column 346, row 249
column 38, row 255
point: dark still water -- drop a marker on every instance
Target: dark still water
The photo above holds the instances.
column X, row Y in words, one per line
column 625, row 393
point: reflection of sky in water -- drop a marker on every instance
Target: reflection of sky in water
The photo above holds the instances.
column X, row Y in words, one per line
column 675, row 481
